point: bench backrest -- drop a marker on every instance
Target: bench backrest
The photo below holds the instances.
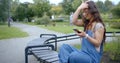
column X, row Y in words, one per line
column 54, row 38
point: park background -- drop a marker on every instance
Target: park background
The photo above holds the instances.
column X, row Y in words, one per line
column 39, row 13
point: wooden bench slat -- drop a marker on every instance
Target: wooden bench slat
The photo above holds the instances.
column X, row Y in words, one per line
column 52, row 60
column 40, row 48
column 56, row 62
column 45, row 55
column 40, row 51
column 38, row 41
column 49, row 57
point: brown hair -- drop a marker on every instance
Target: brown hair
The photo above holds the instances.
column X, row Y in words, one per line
column 92, row 9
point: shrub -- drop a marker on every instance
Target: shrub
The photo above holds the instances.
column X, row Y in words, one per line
column 116, row 11
column 42, row 21
column 113, row 23
column 113, row 50
column 57, row 20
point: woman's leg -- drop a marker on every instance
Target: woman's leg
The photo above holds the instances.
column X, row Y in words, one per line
column 79, row 57
column 64, row 52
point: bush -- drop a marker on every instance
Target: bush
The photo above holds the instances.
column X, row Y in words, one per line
column 113, row 23
column 116, row 11
column 42, row 21
column 112, row 49
column 58, row 20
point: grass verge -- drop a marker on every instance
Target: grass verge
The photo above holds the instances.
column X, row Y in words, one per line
column 11, row 32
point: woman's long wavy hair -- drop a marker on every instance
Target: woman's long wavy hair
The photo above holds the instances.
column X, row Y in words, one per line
column 92, row 9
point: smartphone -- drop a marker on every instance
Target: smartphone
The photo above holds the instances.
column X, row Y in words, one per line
column 76, row 30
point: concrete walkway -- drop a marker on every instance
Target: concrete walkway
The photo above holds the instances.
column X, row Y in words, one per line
column 12, row 50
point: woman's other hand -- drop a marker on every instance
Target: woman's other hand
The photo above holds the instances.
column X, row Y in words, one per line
column 82, row 34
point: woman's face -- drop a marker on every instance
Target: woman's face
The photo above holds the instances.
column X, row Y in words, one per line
column 86, row 14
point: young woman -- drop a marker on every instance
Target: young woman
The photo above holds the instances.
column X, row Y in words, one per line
column 93, row 36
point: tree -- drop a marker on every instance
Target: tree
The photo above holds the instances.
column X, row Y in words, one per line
column 100, row 6
column 20, row 12
column 23, row 11
column 4, row 9
column 29, row 12
column 41, row 6
column 67, row 6
column 76, row 3
column 56, row 9
column 108, row 5
column 116, row 11
column 14, row 6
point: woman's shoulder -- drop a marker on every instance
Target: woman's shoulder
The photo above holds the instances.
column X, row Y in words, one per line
column 98, row 25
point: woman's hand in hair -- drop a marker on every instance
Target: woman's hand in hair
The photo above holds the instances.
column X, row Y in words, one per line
column 83, row 6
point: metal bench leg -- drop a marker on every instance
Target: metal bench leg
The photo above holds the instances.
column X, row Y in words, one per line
column 26, row 55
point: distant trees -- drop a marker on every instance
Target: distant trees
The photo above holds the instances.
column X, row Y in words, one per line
column 20, row 11
column 24, row 10
column 116, row 11
column 28, row 10
column 40, row 7
column 76, row 3
column 104, row 7
column 57, row 10
column 4, row 9
column 67, row 6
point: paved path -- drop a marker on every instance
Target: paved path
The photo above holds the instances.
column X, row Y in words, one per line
column 12, row 50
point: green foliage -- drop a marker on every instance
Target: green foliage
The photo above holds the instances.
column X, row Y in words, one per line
column 111, row 20
column 29, row 13
column 116, row 11
column 108, row 5
column 57, row 10
column 14, row 6
column 58, row 20
column 11, row 32
column 67, row 6
column 43, row 21
column 76, row 3
column 113, row 23
column 28, row 10
column 113, row 49
column 100, row 5
column 40, row 7
column 104, row 7
column 4, row 9
column 23, row 11
column 20, row 12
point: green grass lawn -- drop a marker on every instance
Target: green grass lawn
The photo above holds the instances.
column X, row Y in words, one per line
column 66, row 28
column 12, row 32
column 108, row 29
column 62, row 28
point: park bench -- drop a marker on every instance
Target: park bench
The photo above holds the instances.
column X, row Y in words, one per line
column 44, row 48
